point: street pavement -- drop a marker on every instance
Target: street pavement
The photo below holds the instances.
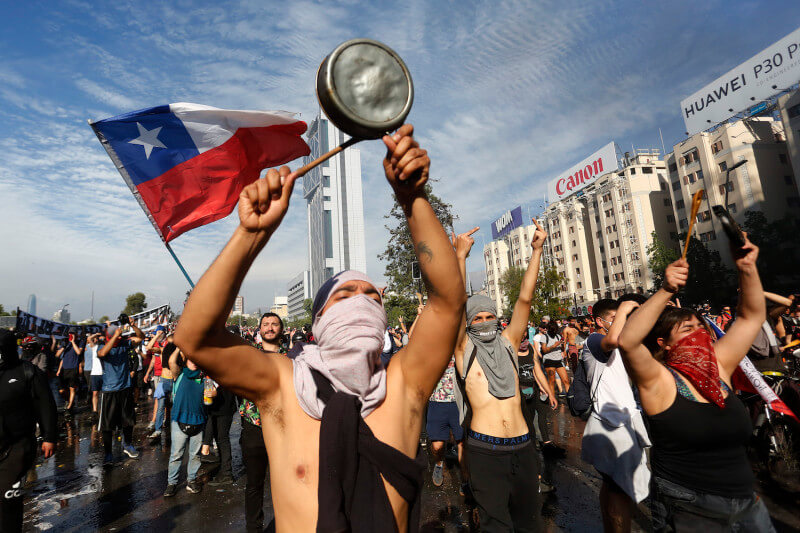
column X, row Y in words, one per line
column 73, row 491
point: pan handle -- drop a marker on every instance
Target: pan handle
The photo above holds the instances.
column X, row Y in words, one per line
column 324, row 157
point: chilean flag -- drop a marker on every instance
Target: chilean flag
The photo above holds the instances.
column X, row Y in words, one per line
column 187, row 163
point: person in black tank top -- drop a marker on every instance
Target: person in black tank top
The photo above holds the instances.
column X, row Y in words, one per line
column 702, row 480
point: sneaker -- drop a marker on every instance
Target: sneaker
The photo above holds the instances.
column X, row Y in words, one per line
column 108, row 460
column 438, row 474
column 544, row 488
column 194, row 487
column 172, row 490
column 154, row 435
column 130, row 451
column 222, row 479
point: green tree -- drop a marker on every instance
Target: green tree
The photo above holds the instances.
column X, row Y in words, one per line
column 709, row 280
column 400, row 253
column 103, row 319
column 135, row 303
column 659, row 255
column 399, row 306
column 545, row 297
column 779, row 250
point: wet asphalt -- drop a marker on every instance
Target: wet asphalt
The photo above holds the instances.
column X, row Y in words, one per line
column 73, row 491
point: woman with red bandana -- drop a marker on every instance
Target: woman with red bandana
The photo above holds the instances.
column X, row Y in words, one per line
column 702, row 480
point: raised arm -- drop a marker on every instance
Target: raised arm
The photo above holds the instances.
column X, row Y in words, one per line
column 750, row 314
column 201, row 332
column 518, row 326
column 102, row 352
column 611, row 341
column 462, row 243
column 425, row 357
column 641, row 365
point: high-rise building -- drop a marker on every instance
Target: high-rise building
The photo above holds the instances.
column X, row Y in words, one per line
column 335, row 206
column 62, row 315
column 238, row 306
column 32, row 304
column 280, row 306
column 765, row 182
column 512, row 249
column 599, row 233
column 298, row 290
column 789, row 107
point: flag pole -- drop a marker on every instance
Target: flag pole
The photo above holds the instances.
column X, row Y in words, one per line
column 126, row 177
column 175, row 257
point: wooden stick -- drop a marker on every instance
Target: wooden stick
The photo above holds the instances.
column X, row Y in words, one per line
column 324, row 157
column 696, row 200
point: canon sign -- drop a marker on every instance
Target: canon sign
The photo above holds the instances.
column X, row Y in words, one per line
column 576, row 178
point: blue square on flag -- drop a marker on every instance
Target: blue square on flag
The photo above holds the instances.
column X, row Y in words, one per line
column 150, row 143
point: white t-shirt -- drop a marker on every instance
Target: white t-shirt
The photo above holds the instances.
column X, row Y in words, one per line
column 546, row 340
column 97, row 367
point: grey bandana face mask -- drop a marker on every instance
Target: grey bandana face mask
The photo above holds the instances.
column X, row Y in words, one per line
column 484, row 331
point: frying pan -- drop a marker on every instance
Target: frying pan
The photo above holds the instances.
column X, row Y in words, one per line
column 365, row 89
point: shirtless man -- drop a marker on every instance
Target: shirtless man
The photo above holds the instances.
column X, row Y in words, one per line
column 501, row 458
column 291, row 435
column 570, row 334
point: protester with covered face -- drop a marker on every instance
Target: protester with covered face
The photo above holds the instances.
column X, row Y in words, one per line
column 70, row 368
column 335, row 409
column 25, row 399
column 702, row 479
column 501, row 458
column 116, row 400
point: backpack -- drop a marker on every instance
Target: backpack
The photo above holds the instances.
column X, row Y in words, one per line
column 580, row 398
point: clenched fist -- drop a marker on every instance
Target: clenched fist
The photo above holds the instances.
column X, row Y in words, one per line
column 406, row 164
column 263, row 203
column 676, row 275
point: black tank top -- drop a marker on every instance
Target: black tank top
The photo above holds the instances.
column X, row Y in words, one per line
column 702, row 447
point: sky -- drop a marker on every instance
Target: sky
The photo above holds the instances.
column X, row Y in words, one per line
column 507, row 95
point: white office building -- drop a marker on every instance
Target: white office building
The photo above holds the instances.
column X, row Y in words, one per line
column 335, row 206
column 297, row 291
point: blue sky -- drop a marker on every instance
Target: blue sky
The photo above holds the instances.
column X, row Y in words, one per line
column 508, row 94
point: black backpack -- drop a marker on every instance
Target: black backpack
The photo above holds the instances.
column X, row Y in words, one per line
column 580, row 398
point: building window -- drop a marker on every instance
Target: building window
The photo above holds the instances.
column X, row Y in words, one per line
column 708, row 236
column 667, row 202
column 571, row 230
column 617, row 243
column 613, row 261
column 686, row 180
column 647, row 170
column 614, row 227
column 328, row 227
column 729, row 186
column 683, row 223
column 577, row 270
column 633, row 170
column 671, row 219
column 723, row 166
column 598, row 234
column 793, row 111
column 580, row 285
column 673, row 167
column 574, row 257
column 679, row 204
column 611, row 245
column 676, row 185
column 716, row 147
column 788, row 180
column 604, row 265
column 574, row 244
column 699, row 174
column 704, row 216
column 783, row 159
column 605, row 279
column 731, row 208
column 673, row 235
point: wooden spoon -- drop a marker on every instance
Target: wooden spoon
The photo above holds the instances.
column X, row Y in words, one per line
column 696, row 199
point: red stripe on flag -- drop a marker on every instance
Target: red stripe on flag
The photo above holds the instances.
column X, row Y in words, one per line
column 206, row 187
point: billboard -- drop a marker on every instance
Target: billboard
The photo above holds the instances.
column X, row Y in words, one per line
column 760, row 77
column 509, row 220
column 576, row 178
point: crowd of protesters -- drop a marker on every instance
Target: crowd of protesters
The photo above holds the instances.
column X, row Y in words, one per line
column 653, row 380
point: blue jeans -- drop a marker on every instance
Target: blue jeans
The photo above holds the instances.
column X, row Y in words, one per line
column 677, row 508
column 163, row 393
column 176, row 451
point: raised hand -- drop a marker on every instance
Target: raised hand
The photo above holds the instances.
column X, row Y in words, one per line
column 539, row 236
column 263, row 203
column 676, row 275
column 463, row 242
column 745, row 257
column 406, row 164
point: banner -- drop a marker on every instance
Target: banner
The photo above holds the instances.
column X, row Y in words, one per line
column 34, row 326
column 765, row 74
column 511, row 219
column 579, row 176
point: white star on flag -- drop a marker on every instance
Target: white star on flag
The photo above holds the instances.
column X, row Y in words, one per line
column 148, row 139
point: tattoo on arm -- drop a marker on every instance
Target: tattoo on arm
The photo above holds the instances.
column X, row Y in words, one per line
column 424, row 251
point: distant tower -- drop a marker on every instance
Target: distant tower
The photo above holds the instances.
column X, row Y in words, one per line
column 32, row 304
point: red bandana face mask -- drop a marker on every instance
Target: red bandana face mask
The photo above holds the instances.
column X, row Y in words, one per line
column 693, row 356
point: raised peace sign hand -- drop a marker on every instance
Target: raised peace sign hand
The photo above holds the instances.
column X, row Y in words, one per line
column 539, row 236
column 463, row 242
column 263, row 203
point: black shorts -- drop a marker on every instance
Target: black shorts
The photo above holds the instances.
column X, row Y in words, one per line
column 116, row 410
column 69, row 378
column 553, row 364
column 442, row 420
column 97, row 383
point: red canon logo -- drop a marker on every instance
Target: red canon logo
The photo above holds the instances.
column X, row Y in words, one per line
column 564, row 185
